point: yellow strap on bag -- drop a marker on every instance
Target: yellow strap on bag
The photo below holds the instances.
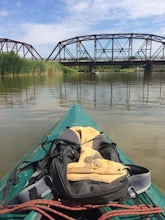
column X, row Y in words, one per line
column 91, row 164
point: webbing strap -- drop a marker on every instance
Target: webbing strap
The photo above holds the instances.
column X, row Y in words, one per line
column 140, row 180
column 38, row 189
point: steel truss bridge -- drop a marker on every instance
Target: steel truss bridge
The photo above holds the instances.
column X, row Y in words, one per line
column 110, row 49
column 101, row 49
column 23, row 49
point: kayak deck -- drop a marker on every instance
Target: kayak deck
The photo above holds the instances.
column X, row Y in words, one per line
column 76, row 116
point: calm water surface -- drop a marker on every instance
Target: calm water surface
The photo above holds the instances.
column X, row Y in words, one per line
column 129, row 107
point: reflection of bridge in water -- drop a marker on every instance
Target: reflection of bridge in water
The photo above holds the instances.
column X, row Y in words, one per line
column 122, row 94
column 105, row 90
column 18, row 97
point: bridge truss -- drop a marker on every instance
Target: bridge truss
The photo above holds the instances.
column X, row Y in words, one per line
column 22, row 49
column 110, row 49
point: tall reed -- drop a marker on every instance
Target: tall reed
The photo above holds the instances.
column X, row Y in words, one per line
column 11, row 63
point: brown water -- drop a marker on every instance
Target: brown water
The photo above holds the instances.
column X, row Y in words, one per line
column 128, row 106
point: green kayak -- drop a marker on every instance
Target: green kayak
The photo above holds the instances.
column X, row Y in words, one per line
column 46, row 208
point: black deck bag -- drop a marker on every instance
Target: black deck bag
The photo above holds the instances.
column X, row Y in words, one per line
column 84, row 188
column 84, row 166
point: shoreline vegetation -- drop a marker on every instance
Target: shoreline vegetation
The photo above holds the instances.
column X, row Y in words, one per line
column 12, row 64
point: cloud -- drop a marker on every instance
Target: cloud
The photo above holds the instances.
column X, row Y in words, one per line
column 113, row 10
column 89, row 11
column 49, row 33
column 44, row 37
column 3, row 13
column 142, row 8
column 79, row 7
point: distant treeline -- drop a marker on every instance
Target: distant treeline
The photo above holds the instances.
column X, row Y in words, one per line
column 11, row 63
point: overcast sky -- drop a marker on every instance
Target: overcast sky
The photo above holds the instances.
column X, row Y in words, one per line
column 43, row 23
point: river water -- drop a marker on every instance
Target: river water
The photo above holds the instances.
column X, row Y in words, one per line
column 130, row 107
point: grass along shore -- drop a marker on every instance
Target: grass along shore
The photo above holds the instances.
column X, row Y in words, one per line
column 12, row 64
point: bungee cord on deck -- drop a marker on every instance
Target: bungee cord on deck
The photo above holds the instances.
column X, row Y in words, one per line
column 48, row 209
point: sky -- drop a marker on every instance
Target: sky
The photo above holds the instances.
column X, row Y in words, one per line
column 43, row 23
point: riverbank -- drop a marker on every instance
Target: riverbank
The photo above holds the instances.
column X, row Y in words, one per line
column 12, row 64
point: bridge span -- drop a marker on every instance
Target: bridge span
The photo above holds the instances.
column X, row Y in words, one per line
column 111, row 49
column 23, row 49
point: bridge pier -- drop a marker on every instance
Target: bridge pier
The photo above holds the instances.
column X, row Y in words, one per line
column 90, row 69
column 148, row 68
